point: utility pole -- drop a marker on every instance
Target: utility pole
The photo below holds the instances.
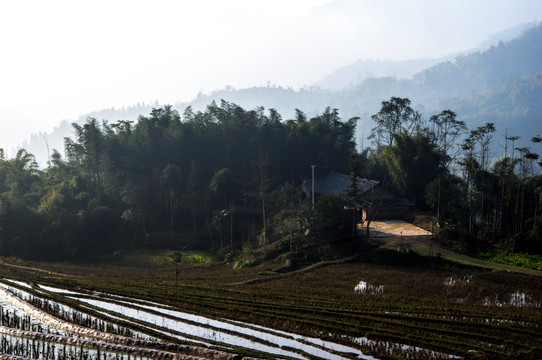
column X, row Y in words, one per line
column 312, row 168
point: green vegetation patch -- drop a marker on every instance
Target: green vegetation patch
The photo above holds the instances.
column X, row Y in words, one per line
column 527, row 261
column 196, row 257
column 162, row 258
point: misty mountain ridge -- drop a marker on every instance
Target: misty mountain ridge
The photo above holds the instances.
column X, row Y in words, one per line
column 354, row 74
column 501, row 84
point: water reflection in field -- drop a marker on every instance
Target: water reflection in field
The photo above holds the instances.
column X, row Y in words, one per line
column 154, row 320
column 264, row 340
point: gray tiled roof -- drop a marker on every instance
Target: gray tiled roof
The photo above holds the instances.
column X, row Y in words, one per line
column 336, row 183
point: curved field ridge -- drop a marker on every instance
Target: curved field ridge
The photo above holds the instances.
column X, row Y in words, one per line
column 305, row 270
column 163, row 319
column 107, row 341
column 243, row 335
column 160, row 354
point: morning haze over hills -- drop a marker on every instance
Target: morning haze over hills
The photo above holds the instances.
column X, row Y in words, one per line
column 500, row 81
column 354, row 179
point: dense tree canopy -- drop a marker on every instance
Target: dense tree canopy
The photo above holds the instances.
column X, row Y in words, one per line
column 165, row 180
column 225, row 176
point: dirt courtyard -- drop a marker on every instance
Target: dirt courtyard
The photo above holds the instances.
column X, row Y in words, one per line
column 384, row 228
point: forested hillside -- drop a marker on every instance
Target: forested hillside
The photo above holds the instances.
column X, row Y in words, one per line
column 228, row 178
column 165, row 182
column 460, row 140
column 354, row 74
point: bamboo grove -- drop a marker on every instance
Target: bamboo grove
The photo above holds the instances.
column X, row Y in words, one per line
column 222, row 177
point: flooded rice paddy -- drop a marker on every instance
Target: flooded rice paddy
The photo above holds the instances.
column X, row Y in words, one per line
column 46, row 322
column 51, row 323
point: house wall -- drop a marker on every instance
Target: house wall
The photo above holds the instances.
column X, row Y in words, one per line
column 385, row 205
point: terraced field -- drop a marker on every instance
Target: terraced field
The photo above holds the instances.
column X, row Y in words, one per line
column 53, row 323
column 405, row 306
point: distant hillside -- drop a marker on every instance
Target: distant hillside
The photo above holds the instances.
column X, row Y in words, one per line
column 505, row 35
column 501, row 84
column 516, row 106
column 354, row 74
column 475, row 72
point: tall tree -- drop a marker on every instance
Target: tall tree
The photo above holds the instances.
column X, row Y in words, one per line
column 477, row 147
column 413, row 162
column 446, row 130
column 353, row 192
column 396, row 116
column 194, row 196
column 171, row 180
column 88, row 151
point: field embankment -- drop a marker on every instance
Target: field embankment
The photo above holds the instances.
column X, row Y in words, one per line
column 383, row 302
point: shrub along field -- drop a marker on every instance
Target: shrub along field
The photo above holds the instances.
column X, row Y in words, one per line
column 400, row 301
column 527, row 261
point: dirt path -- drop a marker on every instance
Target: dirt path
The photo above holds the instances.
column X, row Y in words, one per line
column 394, row 234
column 384, row 228
column 296, row 272
column 427, row 246
column 398, row 233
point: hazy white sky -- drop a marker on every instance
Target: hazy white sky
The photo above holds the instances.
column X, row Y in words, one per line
column 63, row 58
